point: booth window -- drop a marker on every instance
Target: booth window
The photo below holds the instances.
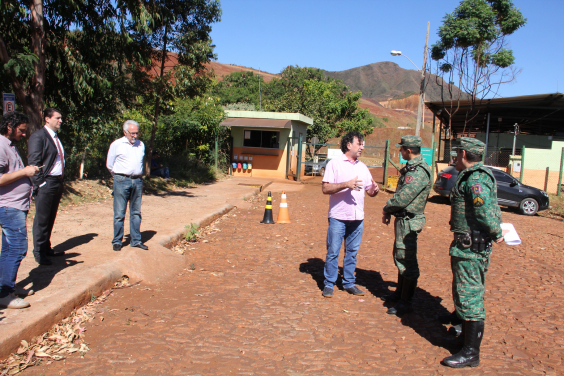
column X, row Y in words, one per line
column 261, row 139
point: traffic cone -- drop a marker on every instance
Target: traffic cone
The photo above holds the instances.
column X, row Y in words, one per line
column 283, row 215
column 268, row 211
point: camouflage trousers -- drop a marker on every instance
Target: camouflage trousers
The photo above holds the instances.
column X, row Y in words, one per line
column 405, row 248
column 468, row 287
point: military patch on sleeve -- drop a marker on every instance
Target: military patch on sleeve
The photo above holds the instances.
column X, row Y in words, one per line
column 478, row 201
column 477, row 189
column 409, row 179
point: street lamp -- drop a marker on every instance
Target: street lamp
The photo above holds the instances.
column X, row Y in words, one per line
column 422, row 88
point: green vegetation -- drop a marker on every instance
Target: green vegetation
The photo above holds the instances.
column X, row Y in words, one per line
column 385, row 119
column 556, row 209
column 404, row 95
column 192, row 232
column 472, row 52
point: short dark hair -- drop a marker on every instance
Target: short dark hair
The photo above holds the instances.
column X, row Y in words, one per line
column 12, row 119
column 473, row 157
column 50, row 111
column 349, row 137
column 415, row 150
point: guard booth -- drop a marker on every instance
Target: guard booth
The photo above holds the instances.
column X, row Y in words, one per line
column 267, row 144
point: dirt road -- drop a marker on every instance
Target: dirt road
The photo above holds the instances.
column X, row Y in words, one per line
column 250, row 303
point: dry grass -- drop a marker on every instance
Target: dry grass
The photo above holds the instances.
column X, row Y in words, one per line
column 556, row 209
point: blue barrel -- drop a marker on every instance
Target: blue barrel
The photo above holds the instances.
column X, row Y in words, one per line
column 244, row 165
column 234, row 165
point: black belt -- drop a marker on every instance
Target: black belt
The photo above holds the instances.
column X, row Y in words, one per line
column 130, row 176
column 58, row 177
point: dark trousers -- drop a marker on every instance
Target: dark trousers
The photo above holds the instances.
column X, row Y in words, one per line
column 46, row 206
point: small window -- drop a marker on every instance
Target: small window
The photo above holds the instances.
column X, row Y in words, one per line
column 261, row 139
column 502, row 177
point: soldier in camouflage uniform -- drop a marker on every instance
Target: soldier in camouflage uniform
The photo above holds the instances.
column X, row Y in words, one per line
column 475, row 221
column 408, row 205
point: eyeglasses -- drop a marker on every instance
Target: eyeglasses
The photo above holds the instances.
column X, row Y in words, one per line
column 133, row 133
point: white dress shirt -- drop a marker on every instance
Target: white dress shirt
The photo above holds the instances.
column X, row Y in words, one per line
column 126, row 158
column 57, row 169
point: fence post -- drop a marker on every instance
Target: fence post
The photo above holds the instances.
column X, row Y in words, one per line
column 522, row 165
column 299, row 167
column 386, row 156
column 433, row 161
column 560, row 174
column 546, row 180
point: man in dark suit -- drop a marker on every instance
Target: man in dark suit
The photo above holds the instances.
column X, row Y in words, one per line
column 46, row 151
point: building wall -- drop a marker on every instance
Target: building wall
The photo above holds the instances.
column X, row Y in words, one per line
column 504, row 140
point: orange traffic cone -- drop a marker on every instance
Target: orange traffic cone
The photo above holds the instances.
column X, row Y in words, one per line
column 283, row 215
column 268, row 211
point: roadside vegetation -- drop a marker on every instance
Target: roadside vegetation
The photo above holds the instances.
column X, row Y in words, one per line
column 556, row 209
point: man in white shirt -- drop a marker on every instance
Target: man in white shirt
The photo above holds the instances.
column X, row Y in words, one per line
column 125, row 162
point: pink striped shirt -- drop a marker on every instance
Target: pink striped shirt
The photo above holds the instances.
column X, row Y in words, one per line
column 347, row 204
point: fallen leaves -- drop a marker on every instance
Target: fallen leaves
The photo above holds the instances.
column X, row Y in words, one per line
column 66, row 337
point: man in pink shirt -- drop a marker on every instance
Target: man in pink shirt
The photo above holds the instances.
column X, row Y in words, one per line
column 345, row 179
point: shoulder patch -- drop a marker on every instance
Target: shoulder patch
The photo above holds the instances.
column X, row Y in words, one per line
column 477, row 189
column 409, row 179
column 478, row 201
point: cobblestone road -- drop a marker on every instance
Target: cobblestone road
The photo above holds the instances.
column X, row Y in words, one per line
column 252, row 304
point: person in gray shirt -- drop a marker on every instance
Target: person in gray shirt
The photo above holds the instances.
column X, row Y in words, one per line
column 15, row 194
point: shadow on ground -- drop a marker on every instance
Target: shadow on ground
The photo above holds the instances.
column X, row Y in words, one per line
column 426, row 307
column 71, row 243
column 42, row 275
column 145, row 237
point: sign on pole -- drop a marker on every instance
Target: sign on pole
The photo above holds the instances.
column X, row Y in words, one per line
column 9, row 102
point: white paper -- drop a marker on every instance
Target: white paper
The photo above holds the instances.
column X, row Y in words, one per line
column 511, row 238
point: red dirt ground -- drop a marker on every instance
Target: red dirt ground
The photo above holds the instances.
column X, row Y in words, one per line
column 249, row 302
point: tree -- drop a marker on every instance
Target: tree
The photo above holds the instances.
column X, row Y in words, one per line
column 50, row 48
column 327, row 101
column 183, row 27
column 472, row 52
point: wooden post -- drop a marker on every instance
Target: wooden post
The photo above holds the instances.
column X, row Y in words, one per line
column 560, row 174
column 522, row 165
column 546, row 180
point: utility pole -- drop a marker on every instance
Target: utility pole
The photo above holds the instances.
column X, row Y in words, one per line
column 260, row 94
column 422, row 89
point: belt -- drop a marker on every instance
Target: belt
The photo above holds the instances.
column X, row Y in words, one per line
column 58, row 177
column 130, row 176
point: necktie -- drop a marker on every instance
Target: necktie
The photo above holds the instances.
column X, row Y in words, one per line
column 60, row 151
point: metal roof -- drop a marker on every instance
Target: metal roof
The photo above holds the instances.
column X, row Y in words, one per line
column 541, row 114
column 256, row 123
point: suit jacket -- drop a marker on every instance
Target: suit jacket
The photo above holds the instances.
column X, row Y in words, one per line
column 41, row 151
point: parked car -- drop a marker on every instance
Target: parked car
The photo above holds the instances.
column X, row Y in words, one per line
column 314, row 168
column 510, row 192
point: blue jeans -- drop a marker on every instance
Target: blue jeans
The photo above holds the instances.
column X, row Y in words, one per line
column 14, row 247
column 351, row 232
column 162, row 172
column 126, row 189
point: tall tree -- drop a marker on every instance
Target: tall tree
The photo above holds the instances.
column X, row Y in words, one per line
column 181, row 38
column 327, row 101
column 472, row 52
column 51, row 47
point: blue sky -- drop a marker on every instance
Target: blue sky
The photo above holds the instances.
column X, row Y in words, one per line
column 338, row 35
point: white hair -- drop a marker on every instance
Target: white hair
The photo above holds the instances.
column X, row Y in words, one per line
column 128, row 123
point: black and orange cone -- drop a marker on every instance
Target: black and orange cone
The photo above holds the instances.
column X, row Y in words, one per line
column 268, row 211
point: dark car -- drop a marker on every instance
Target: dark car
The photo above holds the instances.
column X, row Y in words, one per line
column 311, row 167
column 510, row 192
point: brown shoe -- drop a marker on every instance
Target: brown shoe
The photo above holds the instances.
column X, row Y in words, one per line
column 13, row 302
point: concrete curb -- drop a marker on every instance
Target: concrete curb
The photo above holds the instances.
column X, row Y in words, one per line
column 155, row 266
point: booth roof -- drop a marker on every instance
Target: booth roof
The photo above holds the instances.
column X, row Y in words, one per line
column 256, row 123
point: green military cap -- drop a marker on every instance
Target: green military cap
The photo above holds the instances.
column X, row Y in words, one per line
column 410, row 140
column 471, row 145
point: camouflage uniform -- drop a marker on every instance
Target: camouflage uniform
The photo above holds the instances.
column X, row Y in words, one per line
column 475, row 221
column 411, row 195
column 474, row 207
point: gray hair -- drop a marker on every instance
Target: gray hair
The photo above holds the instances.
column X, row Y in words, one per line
column 128, row 123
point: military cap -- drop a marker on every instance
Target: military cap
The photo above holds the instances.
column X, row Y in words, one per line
column 410, row 140
column 471, row 145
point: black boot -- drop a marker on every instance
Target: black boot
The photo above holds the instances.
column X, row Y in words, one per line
column 451, row 318
column 469, row 356
column 396, row 295
column 407, row 292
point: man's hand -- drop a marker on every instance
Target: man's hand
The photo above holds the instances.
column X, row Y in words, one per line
column 503, row 232
column 374, row 189
column 30, row 170
column 355, row 184
column 386, row 217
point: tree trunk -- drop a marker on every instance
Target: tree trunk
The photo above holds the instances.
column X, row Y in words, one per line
column 34, row 107
column 149, row 153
